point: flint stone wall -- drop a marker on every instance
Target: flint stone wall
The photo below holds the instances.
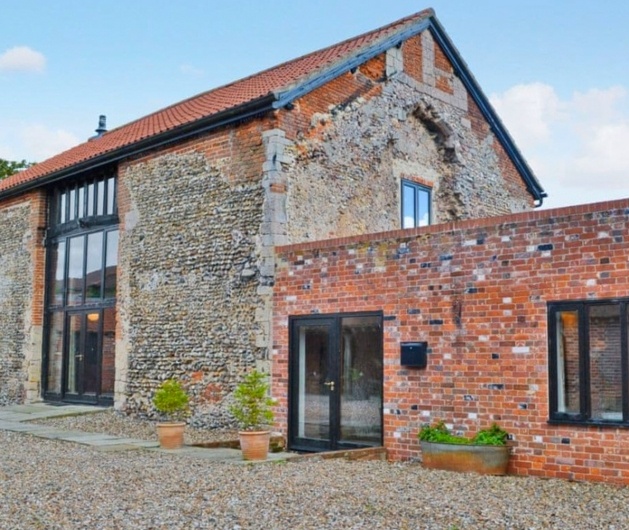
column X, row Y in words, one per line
column 346, row 167
column 189, row 279
column 16, row 293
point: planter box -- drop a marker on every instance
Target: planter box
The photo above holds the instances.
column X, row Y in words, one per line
column 483, row 459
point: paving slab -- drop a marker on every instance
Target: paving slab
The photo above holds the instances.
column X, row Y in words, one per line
column 16, row 418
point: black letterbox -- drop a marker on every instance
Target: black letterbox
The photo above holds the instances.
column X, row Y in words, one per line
column 414, row 354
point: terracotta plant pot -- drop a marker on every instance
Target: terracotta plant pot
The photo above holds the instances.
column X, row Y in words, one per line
column 254, row 444
column 483, row 459
column 170, row 435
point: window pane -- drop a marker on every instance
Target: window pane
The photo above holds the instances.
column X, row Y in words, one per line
column 91, row 190
column 313, row 416
column 94, row 268
column 605, row 363
column 55, row 353
column 90, row 353
column 62, row 207
column 72, row 212
column 100, row 198
column 108, row 369
column 423, row 206
column 55, row 287
column 81, row 201
column 408, row 206
column 568, row 398
column 111, row 194
column 75, row 357
column 75, row 270
column 361, row 380
column 111, row 264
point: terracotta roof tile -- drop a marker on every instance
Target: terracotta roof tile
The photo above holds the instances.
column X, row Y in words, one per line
column 209, row 103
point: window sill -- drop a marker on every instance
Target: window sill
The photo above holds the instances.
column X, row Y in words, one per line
column 589, row 423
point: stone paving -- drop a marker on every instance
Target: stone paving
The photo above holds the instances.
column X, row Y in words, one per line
column 17, row 418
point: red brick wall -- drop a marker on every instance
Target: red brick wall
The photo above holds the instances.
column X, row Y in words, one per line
column 477, row 292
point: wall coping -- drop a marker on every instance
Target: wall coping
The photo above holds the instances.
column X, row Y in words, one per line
column 484, row 222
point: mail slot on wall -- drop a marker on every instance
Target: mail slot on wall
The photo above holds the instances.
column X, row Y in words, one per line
column 414, row 354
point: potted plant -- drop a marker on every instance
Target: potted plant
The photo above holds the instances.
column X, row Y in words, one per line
column 171, row 401
column 252, row 409
column 486, row 453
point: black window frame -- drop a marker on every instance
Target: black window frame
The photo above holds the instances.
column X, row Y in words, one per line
column 582, row 308
column 417, row 190
column 63, row 227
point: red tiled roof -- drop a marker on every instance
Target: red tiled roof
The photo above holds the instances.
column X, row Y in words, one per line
column 210, row 103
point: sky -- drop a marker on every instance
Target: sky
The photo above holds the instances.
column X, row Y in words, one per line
column 556, row 71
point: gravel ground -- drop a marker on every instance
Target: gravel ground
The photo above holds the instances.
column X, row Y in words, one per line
column 109, row 422
column 52, row 485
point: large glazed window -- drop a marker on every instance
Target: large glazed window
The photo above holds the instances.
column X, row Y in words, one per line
column 588, row 362
column 415, row 205
column 81, row 291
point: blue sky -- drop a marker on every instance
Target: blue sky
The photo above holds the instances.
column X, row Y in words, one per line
column 557, row 71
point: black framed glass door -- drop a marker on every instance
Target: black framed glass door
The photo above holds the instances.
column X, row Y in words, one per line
column 335, row 382
column 82, row 261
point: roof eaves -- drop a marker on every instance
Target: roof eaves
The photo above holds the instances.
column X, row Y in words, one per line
column 235, row 114
column 469, row 81
column 321, row 77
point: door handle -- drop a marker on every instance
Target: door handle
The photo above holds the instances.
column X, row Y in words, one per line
column 330, row 385
column 79, row 357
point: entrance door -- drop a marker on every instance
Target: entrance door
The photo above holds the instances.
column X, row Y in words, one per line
column 335, row 382
column 83, row 356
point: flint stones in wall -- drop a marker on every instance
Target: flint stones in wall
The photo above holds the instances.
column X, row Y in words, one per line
column 15, row 301
column 348, row 166
column 190, row 300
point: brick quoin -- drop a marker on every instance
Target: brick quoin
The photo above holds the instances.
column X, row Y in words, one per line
column 477, row 292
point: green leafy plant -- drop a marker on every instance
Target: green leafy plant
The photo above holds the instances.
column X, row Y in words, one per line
column 171, row 400
column 495, row 435
column 252, row 406
column 439, row 433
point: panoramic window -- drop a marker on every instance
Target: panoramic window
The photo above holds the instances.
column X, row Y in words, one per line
column 588, row 361
column 415, row 205
column 82, row 249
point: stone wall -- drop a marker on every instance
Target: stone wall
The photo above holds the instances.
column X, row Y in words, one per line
column 188, row 289
column 16, row 294
column 354, row 139
column 477, row 292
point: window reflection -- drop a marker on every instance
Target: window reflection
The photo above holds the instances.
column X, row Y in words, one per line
column 415, row 205
column 75, row 270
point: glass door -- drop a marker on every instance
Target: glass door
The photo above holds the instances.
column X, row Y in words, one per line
column 83, row 356
column 336, row 382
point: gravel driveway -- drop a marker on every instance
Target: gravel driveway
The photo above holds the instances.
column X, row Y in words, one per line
column 59, row 485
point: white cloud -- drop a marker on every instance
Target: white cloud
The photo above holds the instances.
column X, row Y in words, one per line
column 34, row 142
column 22, row 59
column 528, row 111
column 188, row 69
column 41, row 142
column 576, row 146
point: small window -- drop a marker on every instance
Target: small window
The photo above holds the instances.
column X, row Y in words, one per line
column 415, row 205
column 588, row 350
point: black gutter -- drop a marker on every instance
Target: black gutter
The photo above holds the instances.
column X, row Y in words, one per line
column 497, row 127
column 235, row 114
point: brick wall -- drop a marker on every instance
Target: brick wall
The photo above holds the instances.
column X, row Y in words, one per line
column 477, row 292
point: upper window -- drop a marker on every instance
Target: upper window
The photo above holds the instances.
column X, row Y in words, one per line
column 415, row 205
column 88, row 198
column 588, row 361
